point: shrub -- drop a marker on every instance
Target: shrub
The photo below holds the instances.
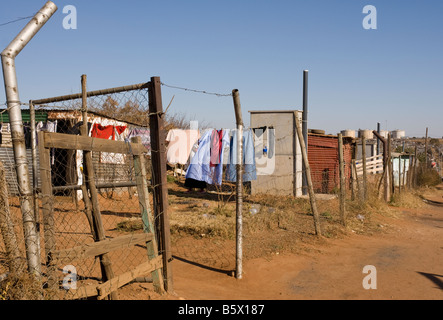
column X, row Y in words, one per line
column 428, row 177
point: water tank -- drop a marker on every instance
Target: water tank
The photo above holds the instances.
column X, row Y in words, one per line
column 398, row 134
column 367, row 134
column 384, row 133
column 348, row 133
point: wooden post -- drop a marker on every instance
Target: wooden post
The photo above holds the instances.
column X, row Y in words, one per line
column 385, row 177
column 239, row 186
column 342, row 179
column 47, row 209
column 7, row 228
column 35, row 174
column 159, row 178
column 357, row 182
column 354, row 172
column 399, row 174
column 387, row 190
column 147, row 218
column 309, row 180
column 414, row 181
column 404, row 174
column 390, row 171
column 89, row 177
column 426, row 149
column 88, row 208
column 365, row 181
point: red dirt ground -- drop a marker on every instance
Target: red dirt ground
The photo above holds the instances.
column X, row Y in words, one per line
column 408, row 256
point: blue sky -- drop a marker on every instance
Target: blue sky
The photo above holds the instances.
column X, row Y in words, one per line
column 357, row 77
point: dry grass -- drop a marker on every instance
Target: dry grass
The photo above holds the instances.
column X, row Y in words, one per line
column 22, row 286
column 274, row 224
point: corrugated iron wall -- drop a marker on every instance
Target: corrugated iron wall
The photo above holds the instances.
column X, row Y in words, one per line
column 105, row 172
column 7, row 158
column 323, row 160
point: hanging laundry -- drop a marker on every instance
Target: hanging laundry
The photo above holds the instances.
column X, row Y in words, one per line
column 248, row 157
column 216, row 147
column 199, row 166
column 49, row 126
column 76, row 129
column 102, row 132
column 180, row 145
column 119, row 130
column 144, row 134
column 28, row 137
column 116, row 158
column 223, row 151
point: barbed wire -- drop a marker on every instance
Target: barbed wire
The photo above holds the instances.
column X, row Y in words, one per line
column 197, row 91
column 16, row 20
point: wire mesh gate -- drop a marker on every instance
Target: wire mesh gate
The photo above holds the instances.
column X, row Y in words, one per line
column 82, row 249
column 124, row 113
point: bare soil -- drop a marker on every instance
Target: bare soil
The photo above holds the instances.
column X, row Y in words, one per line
column 406, row 249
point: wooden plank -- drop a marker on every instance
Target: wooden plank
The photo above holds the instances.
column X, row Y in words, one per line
column 82, row 292
column 98, row 248
column 89, row 178
column 103, row 185
column 76, row 142
column 370, row 163
column 47, row 209
column 146, row 213
column 112, row 285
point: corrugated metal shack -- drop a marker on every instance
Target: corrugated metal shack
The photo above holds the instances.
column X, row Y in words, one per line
column 65, row 163
column 324, row 162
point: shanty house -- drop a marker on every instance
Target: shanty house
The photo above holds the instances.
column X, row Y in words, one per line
column 66, row 165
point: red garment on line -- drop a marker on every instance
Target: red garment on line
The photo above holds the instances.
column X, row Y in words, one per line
column 105, row 132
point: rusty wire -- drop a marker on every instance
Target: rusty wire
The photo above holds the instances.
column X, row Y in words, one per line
column 197, row 91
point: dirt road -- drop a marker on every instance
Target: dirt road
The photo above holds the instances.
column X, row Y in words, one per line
column 407, row 255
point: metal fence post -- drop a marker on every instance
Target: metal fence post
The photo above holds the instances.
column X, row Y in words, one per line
column 305, row 127
column 13, row 101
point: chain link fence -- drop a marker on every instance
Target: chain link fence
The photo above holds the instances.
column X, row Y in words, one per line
column 116, row 114
column 202, row 225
